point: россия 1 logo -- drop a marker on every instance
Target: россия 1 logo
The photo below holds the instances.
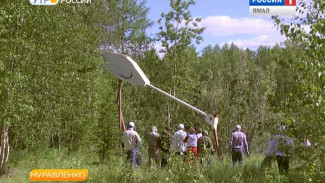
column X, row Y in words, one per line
column 54, row 2
column 272, row 7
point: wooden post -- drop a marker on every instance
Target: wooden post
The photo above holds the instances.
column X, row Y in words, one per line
column 119, row 106
column 215, row 134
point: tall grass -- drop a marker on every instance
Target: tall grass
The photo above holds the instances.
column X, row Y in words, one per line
column 116, row 170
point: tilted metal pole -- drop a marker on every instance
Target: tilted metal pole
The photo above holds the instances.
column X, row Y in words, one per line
column 178, row 100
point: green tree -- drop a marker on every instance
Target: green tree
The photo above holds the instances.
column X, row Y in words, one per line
column 126, row 25
column 177, row 31
column 49, row 71
column 179, row 28
column 306, row 114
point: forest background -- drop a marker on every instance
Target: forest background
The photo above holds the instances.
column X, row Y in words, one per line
column 54, row 93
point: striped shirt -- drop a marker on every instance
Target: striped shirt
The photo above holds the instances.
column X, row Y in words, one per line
column 238, row 140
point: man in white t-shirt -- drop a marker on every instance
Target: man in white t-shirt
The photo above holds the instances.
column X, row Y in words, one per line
column 178, row 145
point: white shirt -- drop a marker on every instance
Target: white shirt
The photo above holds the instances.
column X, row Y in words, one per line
column 131, row 139
column 178, row 141
column 199, row 135
column 307, row 143
column 192, row 140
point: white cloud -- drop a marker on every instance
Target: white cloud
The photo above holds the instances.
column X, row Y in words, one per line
column 254, row 31
column 157, row 46
column 255, row 42
column 219, row 26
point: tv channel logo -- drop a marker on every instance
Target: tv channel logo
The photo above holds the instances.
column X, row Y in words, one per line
column 44, row 2
column 272, row 7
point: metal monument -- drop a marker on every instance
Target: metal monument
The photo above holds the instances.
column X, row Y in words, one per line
column 126, row 69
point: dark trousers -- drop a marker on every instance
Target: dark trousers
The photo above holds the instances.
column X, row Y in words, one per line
column 237, row 156
column 283, row 164
column 164, row 158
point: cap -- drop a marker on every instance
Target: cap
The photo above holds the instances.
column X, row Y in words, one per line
column 181, row 126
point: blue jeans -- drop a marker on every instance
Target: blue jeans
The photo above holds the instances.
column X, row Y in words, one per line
column 237, row 156
column 131, row 156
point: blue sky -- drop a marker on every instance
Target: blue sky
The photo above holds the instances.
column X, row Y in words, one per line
column 225, row 21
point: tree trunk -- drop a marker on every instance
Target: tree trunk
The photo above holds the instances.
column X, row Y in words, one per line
column 4, row 146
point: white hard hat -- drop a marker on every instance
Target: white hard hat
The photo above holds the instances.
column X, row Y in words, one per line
column 131, row 124
column 181, row 126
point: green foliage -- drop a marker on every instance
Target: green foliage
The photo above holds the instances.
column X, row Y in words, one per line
column 50, row 67
column 115, row 169
column 54, row 93
column 305, row 100
column 126, row 26
column 179, row 27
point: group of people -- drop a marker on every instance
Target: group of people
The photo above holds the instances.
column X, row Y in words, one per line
column 198, row 146
column 162, row 146
column 279, row 148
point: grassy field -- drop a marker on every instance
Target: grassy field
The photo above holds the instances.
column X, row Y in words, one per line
column 114, row 169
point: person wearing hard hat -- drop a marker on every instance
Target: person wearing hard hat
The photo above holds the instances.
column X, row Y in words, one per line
column 131, row 141
column 239, row 145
